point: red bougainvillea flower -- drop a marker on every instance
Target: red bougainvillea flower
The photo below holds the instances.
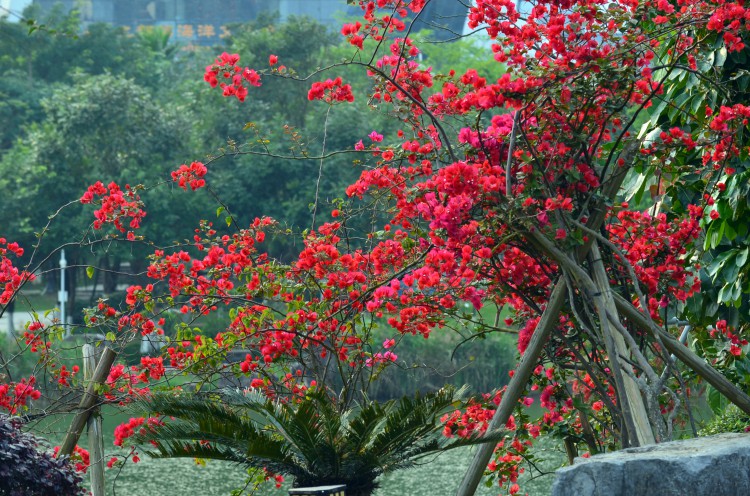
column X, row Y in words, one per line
column 330, row 91
column 190, row 175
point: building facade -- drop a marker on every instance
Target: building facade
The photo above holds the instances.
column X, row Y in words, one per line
column 12, row 9
column 205, row 22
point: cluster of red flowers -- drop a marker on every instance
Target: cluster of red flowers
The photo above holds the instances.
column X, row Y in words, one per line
column 11, row 278
column 35, row 339
column 278, row 480
column 133, row 382
column 14, row 396
column 331, row 90
column 351, row 32
column 735, row 342
column 64, row 375
column 115, row 205
column 80, row 458
column 507, row 465
column 729, row 18
column 226, row 66
column 190, row 175
column 134, row 426
column 655, row 247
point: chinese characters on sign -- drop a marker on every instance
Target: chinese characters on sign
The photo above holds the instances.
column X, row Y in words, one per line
column 188, row 32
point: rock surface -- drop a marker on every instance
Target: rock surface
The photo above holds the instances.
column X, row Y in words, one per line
column 716, row 465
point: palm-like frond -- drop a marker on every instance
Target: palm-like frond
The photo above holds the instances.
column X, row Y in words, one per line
column 205, row 427
column 310, row 440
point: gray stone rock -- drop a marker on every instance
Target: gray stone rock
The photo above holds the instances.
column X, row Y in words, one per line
column 716, row 466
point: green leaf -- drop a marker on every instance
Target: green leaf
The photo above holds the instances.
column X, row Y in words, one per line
column 717, row 263
column 714, row 234
column 698, row 100
column 656, row 113
column 716, row 401
column 720, row 56
column 111, row 336
column 707, row 63
column 90, row 272
column 219, row 211
column 678, row 102
column 737, row 292
column 724, row 209
column 742, row 257
column 729, row 273
column 652, row 136
column 743, row 365
column 644, row 128
column 729, row 231
column 725, row 294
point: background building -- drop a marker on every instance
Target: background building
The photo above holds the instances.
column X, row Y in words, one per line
column 204, row 22
column 12, row 8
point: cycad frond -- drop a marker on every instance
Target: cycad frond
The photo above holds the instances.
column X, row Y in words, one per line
column 362, row 427
column 412, row 420
column 310, row 439
column 207, row 428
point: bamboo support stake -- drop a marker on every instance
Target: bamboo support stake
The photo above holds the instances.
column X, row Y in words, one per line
column 542, row 332
column 629, row 393
column 587, row 284
column 94, row 429
column 643, row 432
column 685, row 355
column 87, row 402
column 516, row 387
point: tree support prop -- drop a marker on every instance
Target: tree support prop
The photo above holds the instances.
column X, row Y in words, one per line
column 634, row 412
column 516, row 387
column 87, row 403
column 94, row 429
column 685, row 355
column 543, row 330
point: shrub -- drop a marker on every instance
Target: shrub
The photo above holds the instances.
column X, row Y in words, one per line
column 25, row 470
column 732, row 419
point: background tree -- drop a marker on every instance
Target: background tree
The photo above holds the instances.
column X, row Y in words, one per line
column 100, row 126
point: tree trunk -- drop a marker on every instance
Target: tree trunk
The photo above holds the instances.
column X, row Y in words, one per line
column 111, row 274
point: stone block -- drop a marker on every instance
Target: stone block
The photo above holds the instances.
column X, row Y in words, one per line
column 715, row 465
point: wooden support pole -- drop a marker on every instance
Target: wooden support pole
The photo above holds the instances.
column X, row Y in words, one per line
column 626, row 308
column 94, row 429
column 87, row 402
column 516, row 387
column 685, row 355
column 543, row 330
column 631, row 400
